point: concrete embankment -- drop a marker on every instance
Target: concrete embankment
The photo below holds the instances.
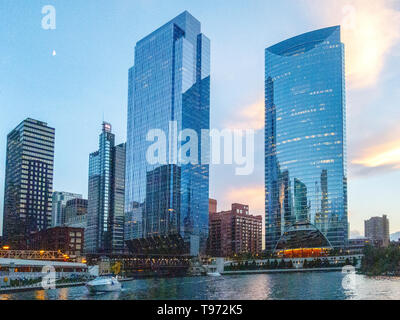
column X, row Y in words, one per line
column 58, row 286
column 39, row 287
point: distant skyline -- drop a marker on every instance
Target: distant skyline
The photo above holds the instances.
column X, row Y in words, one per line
column 75, row 76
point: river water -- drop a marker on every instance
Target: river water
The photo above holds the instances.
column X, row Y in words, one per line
column 308, row 286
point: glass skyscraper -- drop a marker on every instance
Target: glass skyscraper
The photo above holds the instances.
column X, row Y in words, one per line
column 104, row 233
column 169, row 89
column 305, row 136
column 29, row 180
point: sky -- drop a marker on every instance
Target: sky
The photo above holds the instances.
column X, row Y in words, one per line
column 76, row 76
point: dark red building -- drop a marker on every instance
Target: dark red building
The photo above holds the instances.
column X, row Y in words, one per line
column 68, row 240
column 234, row 232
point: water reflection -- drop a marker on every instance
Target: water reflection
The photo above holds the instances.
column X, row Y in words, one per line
column 40, row 295
column 5, row 297
column 298, row 286
column 378, row 288
column 63, row 294
column 103, row 296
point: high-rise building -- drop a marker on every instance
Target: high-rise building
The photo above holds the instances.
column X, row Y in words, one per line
column 377, row 229
column 104, row 233
column 76, row 213
column 305, row 136
column 29, row 179
column 59, row 201
column 234, row 232
column 169, row 88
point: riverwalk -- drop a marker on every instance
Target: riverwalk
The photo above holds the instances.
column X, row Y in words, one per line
column 39, row 286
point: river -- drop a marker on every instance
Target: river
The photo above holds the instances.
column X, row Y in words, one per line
column 308, row 286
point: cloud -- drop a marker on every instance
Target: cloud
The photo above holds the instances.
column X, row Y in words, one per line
column 370, row 32
column 355, row 234
column 370, row 29
column 359, row 171
column 387, row 157
column 254, row 196
column 378, row 154
column 249, row 117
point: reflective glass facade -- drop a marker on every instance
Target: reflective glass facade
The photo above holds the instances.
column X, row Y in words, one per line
column 305, row 136
column 302, row 235
column 105, row 220
column 59, row 201
column 170, row 81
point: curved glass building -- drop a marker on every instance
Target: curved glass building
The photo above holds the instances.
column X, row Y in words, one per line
column 305, row 136
column 302, row 235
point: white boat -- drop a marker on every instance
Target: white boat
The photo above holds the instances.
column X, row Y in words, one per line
column 104, row 284
column 213, row 274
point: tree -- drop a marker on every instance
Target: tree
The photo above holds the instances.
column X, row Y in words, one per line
column 381, row 261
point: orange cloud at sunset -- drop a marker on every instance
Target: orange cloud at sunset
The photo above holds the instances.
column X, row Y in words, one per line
column 254, row 196
column 377, row 152
column 249, row 117
column 386, row 154
column 370, row 29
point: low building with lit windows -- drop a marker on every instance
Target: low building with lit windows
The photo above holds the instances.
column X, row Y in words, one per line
column 16, row 274
column 68, row 240
column 302, row 247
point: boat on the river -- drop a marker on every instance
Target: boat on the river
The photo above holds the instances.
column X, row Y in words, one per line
column 213, row 274
column 104, row 284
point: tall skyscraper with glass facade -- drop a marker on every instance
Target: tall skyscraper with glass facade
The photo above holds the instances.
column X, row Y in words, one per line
column 169, row 90
column 29, row 179
column 104, row 233
column 305, row 136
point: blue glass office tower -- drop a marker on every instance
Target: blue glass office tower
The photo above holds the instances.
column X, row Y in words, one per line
column 166, row 204
column 305, row 136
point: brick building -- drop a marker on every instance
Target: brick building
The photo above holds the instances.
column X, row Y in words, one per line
column 234, row 232
column 68, row 240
